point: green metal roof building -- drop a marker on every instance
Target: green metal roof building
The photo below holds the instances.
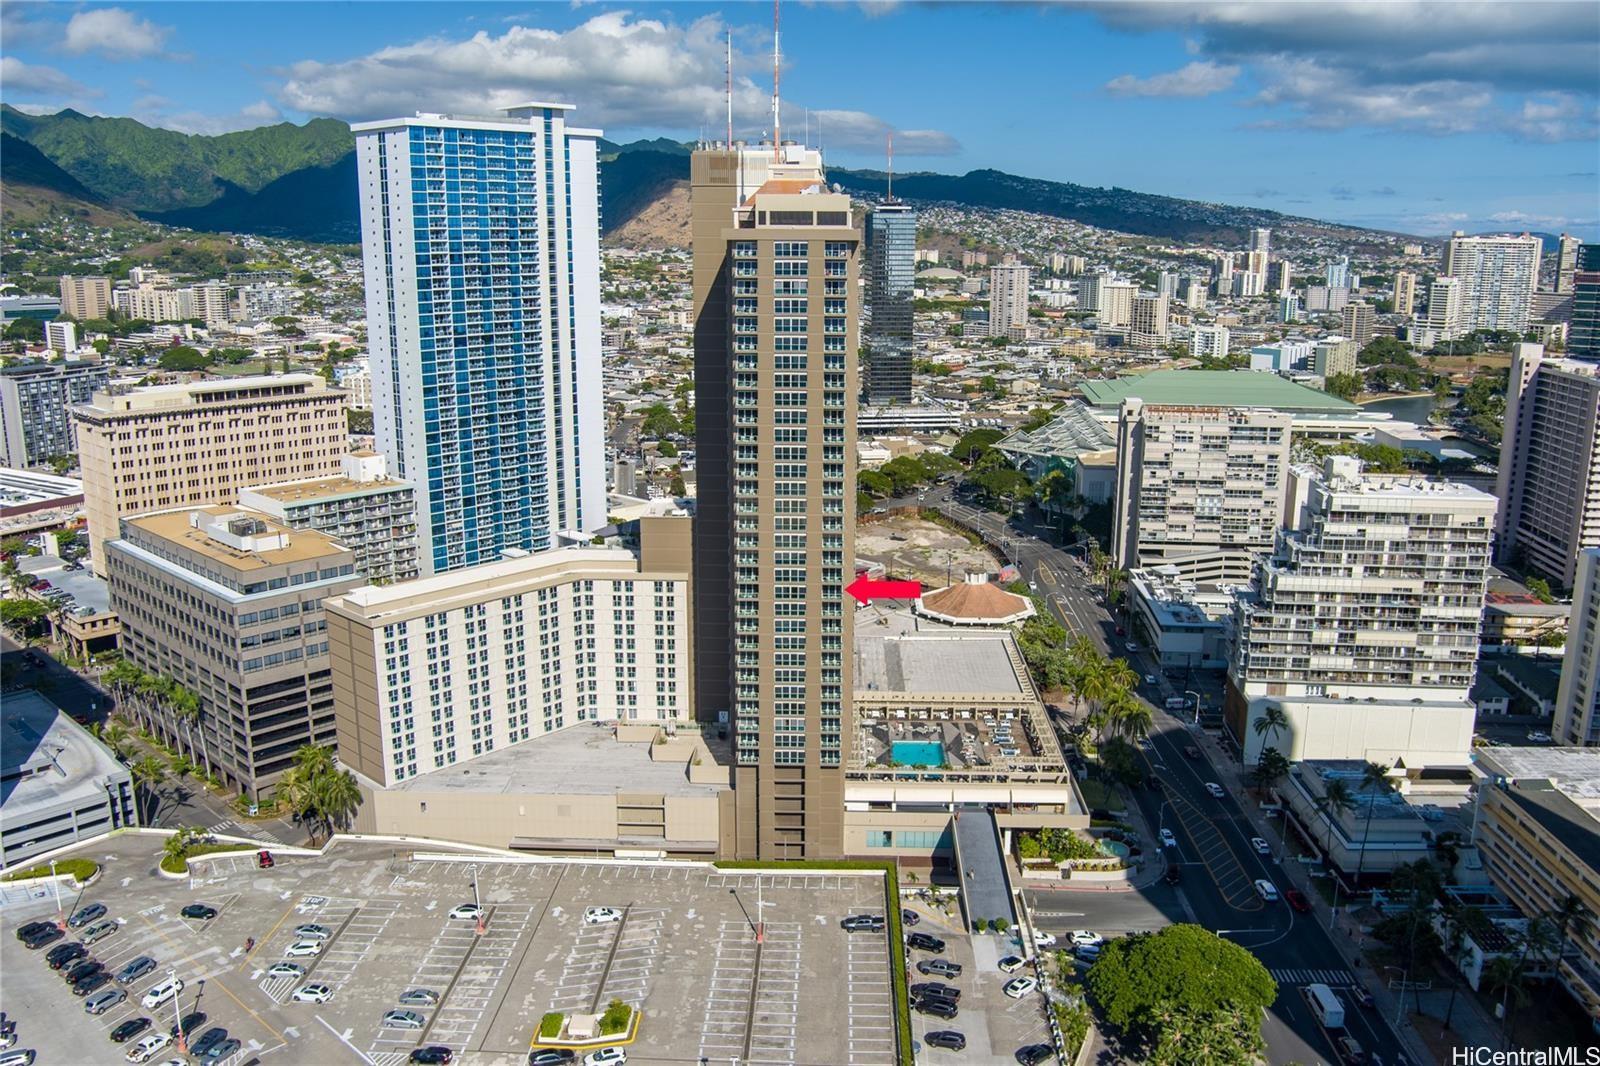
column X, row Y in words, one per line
column 1214, row 388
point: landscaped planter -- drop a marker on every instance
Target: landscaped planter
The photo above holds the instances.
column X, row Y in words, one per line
column 582, row 1043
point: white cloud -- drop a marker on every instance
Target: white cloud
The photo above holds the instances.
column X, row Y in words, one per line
column 33, row 80
column 861, row 132
column 1555, row 117
column 156, row 111
column 621, row 71
column 1312, row 95
column 114, row 34
column 1200, row 78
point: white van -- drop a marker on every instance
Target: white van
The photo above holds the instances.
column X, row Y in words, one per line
column 162, row 992
column 1267, row 890
column 1325, row 1005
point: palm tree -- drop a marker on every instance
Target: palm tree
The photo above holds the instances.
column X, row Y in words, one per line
column 1120, row 675
column 1571, row 919
column 1336, row 800
column 1463, row 925
column 1375, row 783
column 1132, row 717
column 179, row 842
column 1270, row 768
column 314, row 759
column 335, row 797
column 1273, row 721
column 115, row 736
column 148, row 774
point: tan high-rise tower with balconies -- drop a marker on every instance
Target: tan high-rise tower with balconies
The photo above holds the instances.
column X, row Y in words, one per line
column 775, row 260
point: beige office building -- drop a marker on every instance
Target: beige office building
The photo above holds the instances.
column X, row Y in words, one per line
column 85, row 297
column 1199, row 488
column 170, row 446
column 230, row 605
column 782, row 443
column 1334, row 355
column 1445, row 312
column 1577, row 713
column 1405, row 292
column 1148, row 320
column 1549, row 479
column 1359, row 322
column 449, row 668
column 1008, row 297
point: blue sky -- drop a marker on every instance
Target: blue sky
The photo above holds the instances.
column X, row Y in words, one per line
column 1416, row 116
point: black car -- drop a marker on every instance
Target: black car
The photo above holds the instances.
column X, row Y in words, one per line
column 81, row 969
column 1034, row 1054
column 93, row 982
column 433, row 1055
column 208, row 1040
column 934, row 988
column 936, row 1006
column 129, row 1029
column 910, row 917
column 48, row 935
column 948, row 1039
column 1174, row 874
column 1362, row 997
column 24, row 932
column 558, row 1056
column 857, row 922
column 926, row 943
column 202, row 911
column 220, row 1050
column 65, row 954
column 939, row 968
column 188, row 1023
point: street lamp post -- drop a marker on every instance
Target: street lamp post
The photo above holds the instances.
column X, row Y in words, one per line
column 477, row 904
column 177, row 1016
column 55, row 884
column 1196, row 695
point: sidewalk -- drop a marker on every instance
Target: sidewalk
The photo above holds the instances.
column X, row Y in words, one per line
column 1468, row 1020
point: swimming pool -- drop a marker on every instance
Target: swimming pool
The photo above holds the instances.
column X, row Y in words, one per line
column 917, row 752
column 1114, row 847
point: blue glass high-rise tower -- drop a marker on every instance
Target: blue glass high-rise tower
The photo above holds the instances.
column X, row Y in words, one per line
column 481, row 244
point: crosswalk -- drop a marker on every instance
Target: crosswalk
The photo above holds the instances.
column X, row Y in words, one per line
column 1313, row 977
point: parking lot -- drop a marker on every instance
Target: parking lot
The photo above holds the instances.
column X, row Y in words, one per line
column 995, row 1025
column 685, row 949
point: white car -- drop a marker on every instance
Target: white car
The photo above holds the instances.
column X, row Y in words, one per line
column 146, row 1048
column 470, row 912
column 316, row 993
column 1081, row 937
column 1261, row 846
column 1538, row 736
column 1018, row 987
column 1011, row 964
column 303, row 949
column 1267, row 890
column 1131, row 646
column 285, row 969
column 1215, row 789
column 1151, row 679
column 1167, row 839
column 1041, row 939
column 601, row 915
column 606, row 1056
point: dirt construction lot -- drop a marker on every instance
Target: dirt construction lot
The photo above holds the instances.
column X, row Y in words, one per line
column 913, row 549
column 684, row 951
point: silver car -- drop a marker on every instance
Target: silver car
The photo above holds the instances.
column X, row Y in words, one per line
column 419, row 997
column 402, row 1019
column 104, row 1000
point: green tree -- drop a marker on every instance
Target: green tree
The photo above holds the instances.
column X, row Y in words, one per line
column 1344, row 386
column 659, row 421
column 875, row 484
column 1142, row 982
column 667, row 450
column 1540, row 588
column 22, row 615
column 182, row 357
column 975, row 444
column 148, row 775
column 1376, row 784
column 1336, row 799
column 1382, row 351
column 677, row 487
column 1270, row 768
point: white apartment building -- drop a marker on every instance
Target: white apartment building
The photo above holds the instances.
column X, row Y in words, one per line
column 1405, row 292
column 1498, row 276
column 154, row 304
column 1114, row 303
column 1362, row 625
column 444, row 669
column 61, row 337
column 356, row 381
column 1198, row 488
column 1444, row 308
column 1577, row 713
column 1008, row 297
column 258, row 302
column 1209, row 342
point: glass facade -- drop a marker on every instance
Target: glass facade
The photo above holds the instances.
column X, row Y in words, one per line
column 891, row 297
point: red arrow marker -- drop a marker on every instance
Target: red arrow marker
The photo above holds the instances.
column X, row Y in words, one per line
column 863, row 590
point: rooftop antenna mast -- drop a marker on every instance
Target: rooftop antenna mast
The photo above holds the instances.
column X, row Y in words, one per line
column 730, row 87
column 891, row 167
column 777, row 118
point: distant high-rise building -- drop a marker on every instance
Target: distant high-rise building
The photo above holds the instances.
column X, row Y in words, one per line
column 1280, row 277
column 1322, row 299
column 481, row 240
column 1192, row 292
column 1341, row 632
column 35, row 424
column 61, row 337
column 1067, row 265
column 1199, row 488
column 1405, row 292
column 1444, row 308
column 1583, row 333
column 1223, row 276
column 1261, row 240
column 1209, row 342
column 1566, row 263
column 1114, row 309
column 1333, row 356
column 1167, row 284
column 1008, row 297
column 1498, row 276
column 1549, row 477
column 1337, row 273
column 1148, row 319
column 85, row 297
column 1288, row 308
column 1577, row 712
column 891, row 296
column 775, row 261
column 190, row 445
column 1358, row 321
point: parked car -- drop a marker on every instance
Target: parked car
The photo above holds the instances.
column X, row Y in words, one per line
column 939, row 1008
column 1018, row 987
column 1297, row 900
column 188, row 1023
column 1011, row 963
column 303, row 949
column 84, row 915
column 939, row 968
column 606, row 1056
column 312, row 931
column 948, row 1039
column 285, row 969
column 1267, row 890
column 78, row 971
column 601, row 915
column 555, row 1056
column 909, row 917
column 145, row 1049
column 220, row 1050
column 38, row 939
column 136, row 969
column 1261, row 846
column 104, row 1000
column 872, row 923
column 98, row 931
column 1086, row 936
column 65, row 954
column 432, row 1055
column 1034, row 1054
column 312, row 993
column 419, row 997
column 129, row 1029
column 469, row 912
column 402, row 1019
column 1215, row 789
column 90, row 983
column 924, row 942
column 208, row 1040
column 934, row 988
column 264, row 860
column 162, row 992
column 1167, row 839
column 202, row 911
column 21, row 1057
column 1041, row 939
column 1538, row 736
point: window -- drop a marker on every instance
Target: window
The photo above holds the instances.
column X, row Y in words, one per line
column 879, row 838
